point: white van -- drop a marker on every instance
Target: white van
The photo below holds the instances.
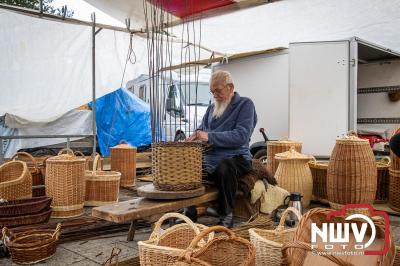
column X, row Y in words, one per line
column 183, row 109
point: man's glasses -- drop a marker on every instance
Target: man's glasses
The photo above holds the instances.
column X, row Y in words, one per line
column 218, row 90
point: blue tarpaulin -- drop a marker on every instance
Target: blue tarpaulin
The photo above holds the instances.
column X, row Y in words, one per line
column 121, row 115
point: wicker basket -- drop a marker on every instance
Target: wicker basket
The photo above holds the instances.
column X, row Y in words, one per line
column 177, row 166
column 123, row 160
column 223, row 250
column 261, row 221
column 102, row 187
column 395, row 161
column 274, row 147
column 35, row 218
column 294, row 174
column 15, row 181
column 24, row 206
column 318, row 171
column 397, row 257
column 36, row 173
column 269, row 243
column 162, row 247
column 394, row 190
column 382, row 191
column 65, row 182
column 31, row 246
column 351, row 176
column 298, row 252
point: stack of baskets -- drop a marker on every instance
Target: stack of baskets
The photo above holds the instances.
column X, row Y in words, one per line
column 123, row 160
column 274, row 147
column 177, row 166
column 102, row 187
column 394, row 188
column 31, row 246
column 36, row 173
column 65, row 183
column 318, row 171
column 382, row 191
column 15, row 181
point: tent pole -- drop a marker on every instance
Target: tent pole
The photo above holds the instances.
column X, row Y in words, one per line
column 94, row 83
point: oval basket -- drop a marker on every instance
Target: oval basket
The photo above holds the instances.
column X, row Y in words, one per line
column 15, row 181
column 24, row 206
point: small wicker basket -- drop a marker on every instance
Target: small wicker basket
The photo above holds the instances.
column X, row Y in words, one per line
column 394, row 190
column 269, row 243
column 102, row 187
column 36, row 173
column 274, row 147
column 318, row 171
column 15, row 181
column 31, row 246
column 177, row 166
column 123, row 160
column 382, row 191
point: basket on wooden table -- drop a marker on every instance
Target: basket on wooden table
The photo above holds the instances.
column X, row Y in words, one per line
column 102, row 187
column 177, row 166
column 319, row 171
column 268, row 243
column 36, row 173
column 65, row 182
column 224, row 249
column 394, row 190
column 123, row 160
column 31, row 246
column 15, row 181
column 279, row 146
column 382, row 190
column 294, row 174
column 170, row 243
column 352, row 172
column 300, row 252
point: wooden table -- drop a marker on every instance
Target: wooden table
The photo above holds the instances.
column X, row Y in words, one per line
column 142, row 208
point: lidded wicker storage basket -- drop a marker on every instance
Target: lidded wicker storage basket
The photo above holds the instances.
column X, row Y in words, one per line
column 318, row 171
column 123, row 160
column 177, row 166
column 351, row 176
column 102, row 187
column 294, row 174
column 298, row 252
column 36, row 173
column 31, row 246
column 382, row 190
column 268, row 243
column 15, row 181
column 394, row 190
column 279, row 146
column 65, row 182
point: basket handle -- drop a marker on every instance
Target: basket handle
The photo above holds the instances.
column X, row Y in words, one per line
column 281, row 225
column 155, row 235
column 57, row 232
column 79, row 153
column 95, row 162
column 386, row 161
column 22, row 154
column 207, row 231
column 7, row 234
column 307, row 247
column 66, row 150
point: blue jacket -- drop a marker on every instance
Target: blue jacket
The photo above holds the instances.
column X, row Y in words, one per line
column 229, row 135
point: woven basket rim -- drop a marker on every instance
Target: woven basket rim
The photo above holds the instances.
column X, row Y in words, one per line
column 102, row 175
column 124, row 146
column 62, row 159
column 319, row 164
column 17, row 180
column 284, row 142
column 352, row 141
column 177, row 144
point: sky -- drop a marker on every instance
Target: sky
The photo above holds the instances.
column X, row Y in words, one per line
column 83, row 10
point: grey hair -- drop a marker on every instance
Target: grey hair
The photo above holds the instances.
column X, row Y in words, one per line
column 222, row 75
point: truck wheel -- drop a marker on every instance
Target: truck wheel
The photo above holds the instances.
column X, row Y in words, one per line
column 261, row 155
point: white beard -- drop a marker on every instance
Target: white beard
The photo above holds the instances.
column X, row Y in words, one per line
column 219, row 108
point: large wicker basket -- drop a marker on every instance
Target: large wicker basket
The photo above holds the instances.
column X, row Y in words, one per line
column 26, row 219
column 24, row 206
column 170, row 244
column 382, row 191
column 395, row 161
column 394, row 190
column 65, row 182
column 31, row 246
column 102, row 187
column 294, row 175
column 123, row 160
column 274, row 147
column 177, row 166
column 15, row 181
column 223, row 250
column 268, row 243
column 351, row 176
column 299, row 252
column 318, row 171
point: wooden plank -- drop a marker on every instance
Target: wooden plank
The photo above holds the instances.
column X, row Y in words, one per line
column 139, row 208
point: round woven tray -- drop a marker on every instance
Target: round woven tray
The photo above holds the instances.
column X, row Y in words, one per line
column 150, row 192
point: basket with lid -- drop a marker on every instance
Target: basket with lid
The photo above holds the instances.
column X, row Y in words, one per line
column 65, row 182
column 279, row 146
column 123, row 160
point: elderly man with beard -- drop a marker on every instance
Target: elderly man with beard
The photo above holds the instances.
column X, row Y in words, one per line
column 227, row 127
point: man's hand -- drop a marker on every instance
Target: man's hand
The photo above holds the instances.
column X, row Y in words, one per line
column 192, row 137
column 198, row 135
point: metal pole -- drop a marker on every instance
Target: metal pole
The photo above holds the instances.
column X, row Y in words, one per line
column 41, row 7
column 94, row 82
column 68, row 144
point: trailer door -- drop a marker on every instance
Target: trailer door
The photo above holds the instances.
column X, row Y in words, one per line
column 318, row 94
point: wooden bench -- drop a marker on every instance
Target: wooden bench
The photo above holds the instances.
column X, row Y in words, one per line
column 142, row 208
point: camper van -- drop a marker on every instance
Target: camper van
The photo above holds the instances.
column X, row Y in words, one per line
column 186, row 101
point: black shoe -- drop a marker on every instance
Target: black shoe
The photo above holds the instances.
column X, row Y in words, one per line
column 210, row 211
column 227, row 220
column 190, row 212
